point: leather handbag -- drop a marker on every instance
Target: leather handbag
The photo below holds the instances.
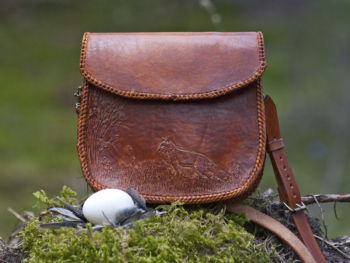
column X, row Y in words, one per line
column 175, row 116
column 181, row 117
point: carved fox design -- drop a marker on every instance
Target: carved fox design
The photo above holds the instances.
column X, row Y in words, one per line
column 200, row 164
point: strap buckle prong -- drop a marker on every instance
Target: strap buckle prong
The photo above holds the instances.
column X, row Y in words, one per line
column 299, row 207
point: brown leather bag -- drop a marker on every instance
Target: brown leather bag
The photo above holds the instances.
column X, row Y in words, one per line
column 181, row 116
column 176, row 116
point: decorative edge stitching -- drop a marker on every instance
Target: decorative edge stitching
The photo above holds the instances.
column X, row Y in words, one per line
column 236, row 195
column 189, row 96
column 255, row 184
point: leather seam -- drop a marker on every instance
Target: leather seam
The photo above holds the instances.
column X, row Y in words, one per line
column 189, row 96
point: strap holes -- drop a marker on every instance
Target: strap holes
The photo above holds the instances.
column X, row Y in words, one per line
column 288, row 177
column 291, row 186
column 281, row 158
column 284, row 167
column 294, row 195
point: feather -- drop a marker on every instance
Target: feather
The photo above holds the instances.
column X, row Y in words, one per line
column 131, row 219
column 76, row 209
column 66, row 212
column 126, row 213
column 108, row 219
column 149, row 213
column 137, row 198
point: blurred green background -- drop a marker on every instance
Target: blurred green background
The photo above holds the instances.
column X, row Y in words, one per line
column 308, row 57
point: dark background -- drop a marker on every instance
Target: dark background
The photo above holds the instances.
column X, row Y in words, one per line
column 308, row 61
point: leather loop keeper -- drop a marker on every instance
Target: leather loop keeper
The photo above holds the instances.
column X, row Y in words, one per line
column 274, row 145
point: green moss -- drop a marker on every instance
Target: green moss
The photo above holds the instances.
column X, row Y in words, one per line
column 67, row 195
column 184, row 234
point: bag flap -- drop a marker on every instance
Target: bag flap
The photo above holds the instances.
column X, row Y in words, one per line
column 176, row 66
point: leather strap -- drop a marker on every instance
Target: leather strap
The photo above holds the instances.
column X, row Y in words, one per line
column 275, row 227
column 287, row 186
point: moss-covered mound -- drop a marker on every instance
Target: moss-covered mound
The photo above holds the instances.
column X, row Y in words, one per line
column 184, row 234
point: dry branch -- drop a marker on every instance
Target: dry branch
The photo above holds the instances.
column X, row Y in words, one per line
column 16, row 215
column 332, row 246
column 310, row 199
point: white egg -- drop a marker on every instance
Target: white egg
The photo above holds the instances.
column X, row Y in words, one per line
column 113, row 203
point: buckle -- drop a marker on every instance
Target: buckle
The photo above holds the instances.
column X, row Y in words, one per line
column 78, row 95
column 299, row 207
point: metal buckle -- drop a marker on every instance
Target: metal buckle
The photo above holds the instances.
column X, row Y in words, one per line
column 78, row 95
column 299, row 207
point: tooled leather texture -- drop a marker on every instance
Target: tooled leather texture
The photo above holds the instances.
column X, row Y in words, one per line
column 194, row 151
column 172, row 66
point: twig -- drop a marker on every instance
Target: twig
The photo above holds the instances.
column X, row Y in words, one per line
column 335, row 211
column 15, row 233
column 29, row 215
column 309, row 199
column 332, row 246
column 17, row 245
column 324, row 224
column 2, row 244
column 279, row 255
column 16, row 215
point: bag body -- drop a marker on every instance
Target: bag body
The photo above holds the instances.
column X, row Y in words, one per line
column 175, row 116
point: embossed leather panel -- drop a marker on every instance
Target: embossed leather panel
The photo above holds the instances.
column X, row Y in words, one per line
column 195, row 150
